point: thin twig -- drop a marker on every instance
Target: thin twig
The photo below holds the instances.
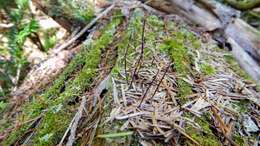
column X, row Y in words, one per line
column 67, row 131
column 125, row 57
column 143, row 42
column 161, row 80
column 85, row 29
column 17, row 76
column 150, row 85
column 142, row 53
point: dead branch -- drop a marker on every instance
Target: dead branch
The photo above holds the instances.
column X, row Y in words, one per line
column 150, row 85
column 76, row 122
column 244, row 60
column 85, row 29
column 6, row 26
column 166, row 70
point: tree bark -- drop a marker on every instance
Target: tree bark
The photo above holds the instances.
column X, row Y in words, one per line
column 43, row 75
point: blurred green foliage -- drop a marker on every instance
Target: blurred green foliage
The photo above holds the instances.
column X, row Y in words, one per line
column 24, row 26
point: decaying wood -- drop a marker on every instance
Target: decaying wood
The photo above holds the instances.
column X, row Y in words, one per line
column 43, row 74
column 212, row 16
column 159, row 117
column 245, row 61
column 246, row 36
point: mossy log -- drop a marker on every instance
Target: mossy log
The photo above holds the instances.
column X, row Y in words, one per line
column 218, row 19
column 243, row 5
column 43, row 75
column 54, row 108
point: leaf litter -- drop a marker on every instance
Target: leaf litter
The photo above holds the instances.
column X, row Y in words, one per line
column 161, row 97
column 150, row 105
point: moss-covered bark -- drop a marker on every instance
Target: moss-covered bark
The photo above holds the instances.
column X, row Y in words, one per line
column 74, row 81
column 243, row 4
column 176, row 43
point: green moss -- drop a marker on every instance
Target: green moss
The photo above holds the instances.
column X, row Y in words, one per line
column 207, row 69
column 74, row 65
column 177, row 45
column 190, row 39
column 204, row 137
column 179, row 54
column 15, row 135
column 57, row 114
column 110, row 127
column 238, row 139
column 243, row 106
column 53, row 126
column 81, row 83
column 155, row 22
column 130, row 38
column 185, row 89
column 236, row 68
column 258, row 88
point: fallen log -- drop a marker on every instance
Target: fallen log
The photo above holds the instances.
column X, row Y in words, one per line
column 244, row 59
column 246, row 36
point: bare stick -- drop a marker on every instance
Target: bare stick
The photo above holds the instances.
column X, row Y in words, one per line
column 67, row 131
column 150, row 85
column 161, row 80
column 17, row 76
column 142, row 54
column 76, row 122
column 69, row 42
column 126, row 51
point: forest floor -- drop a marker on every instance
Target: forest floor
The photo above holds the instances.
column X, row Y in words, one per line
column 142, row 79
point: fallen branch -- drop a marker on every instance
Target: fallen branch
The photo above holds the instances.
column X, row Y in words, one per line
column 244, row 60
column 85, row 29
column 76, row 122
column 98, row 90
